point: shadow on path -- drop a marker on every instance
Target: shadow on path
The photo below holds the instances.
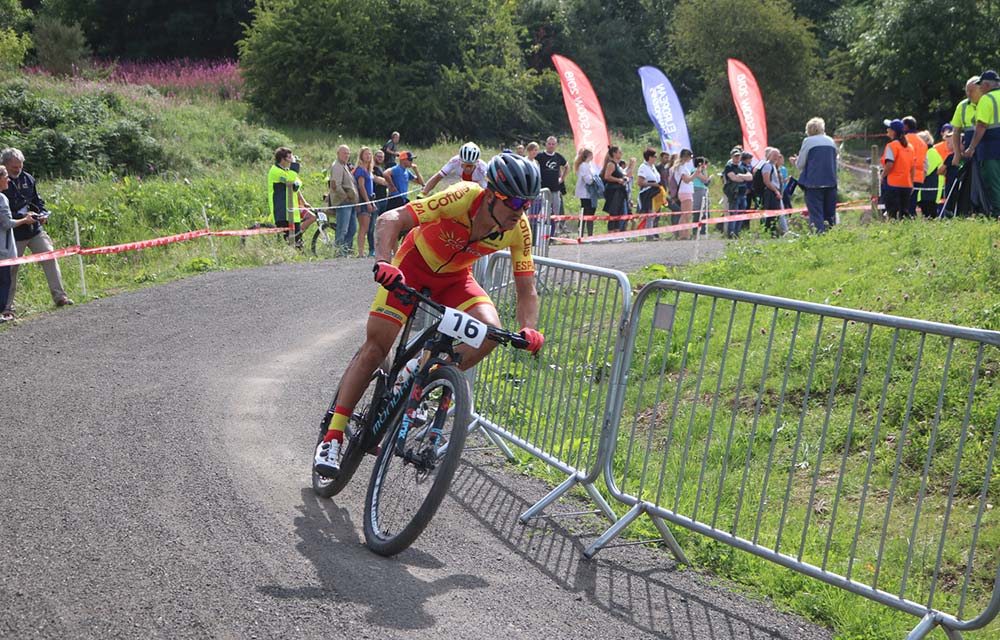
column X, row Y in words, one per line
column 350, row 573
column 637, row 585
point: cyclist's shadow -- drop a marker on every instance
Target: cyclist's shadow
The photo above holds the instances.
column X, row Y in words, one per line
column 349, row 572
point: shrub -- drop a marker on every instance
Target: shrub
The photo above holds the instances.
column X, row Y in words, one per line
column 15, row 48
column 60, row 48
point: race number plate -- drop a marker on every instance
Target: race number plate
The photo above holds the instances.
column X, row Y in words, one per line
column 462, row 326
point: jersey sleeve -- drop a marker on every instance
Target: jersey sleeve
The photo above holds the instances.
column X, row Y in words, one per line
column 450, row 167
column 454, row 202
column 520, row 249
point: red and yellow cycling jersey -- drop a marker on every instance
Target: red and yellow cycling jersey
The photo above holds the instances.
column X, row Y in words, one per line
column 443, row 227
column 436, row 254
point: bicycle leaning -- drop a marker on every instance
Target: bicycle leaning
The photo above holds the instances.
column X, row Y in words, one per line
column 416, row 425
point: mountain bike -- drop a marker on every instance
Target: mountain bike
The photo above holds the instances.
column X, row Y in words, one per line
column 416, row 426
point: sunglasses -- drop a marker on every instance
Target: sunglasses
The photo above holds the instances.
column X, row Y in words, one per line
column 517, row 204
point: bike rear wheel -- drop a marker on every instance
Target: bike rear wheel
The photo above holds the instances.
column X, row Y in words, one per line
column 355, row 443
column 324, row 244
column 414, row 469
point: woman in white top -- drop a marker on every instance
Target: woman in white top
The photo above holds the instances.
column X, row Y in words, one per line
column 585, row 171
column 649, row 188
column 684, row 175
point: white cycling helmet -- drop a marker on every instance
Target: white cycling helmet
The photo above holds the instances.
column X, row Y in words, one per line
column 469, row 153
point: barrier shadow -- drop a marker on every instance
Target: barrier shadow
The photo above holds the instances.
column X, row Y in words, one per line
column 349, row 573
column 637, row 585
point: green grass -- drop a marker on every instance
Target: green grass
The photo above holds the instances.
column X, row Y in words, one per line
column 942, row 272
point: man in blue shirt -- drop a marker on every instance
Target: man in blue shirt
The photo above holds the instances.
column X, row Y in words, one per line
column 398, row 180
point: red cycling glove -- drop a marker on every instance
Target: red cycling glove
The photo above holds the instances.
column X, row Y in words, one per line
column 387, row 274
column 534, row 338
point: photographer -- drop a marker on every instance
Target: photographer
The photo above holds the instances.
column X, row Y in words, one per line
column 702, row 178
column 22, row 195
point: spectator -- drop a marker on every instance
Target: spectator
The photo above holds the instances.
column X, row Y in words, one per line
column 735, row 178
column 343, row 196
column 949, row 205
column 964, row 120
column 8, row 245
column 553, row 167
column 771, row 198
column 663, row 168
column 24, row 202
column 649, row 188
column 817, row 165
column 398, row 180
column 466, row 166
column 381, row 197
column 897, row 160
column 531, row 152
column 629, row 177
column 520, row 149
column 985, row 145
column 930, row 188
column 391, row 151
column 702, row 178
column 919, row 160
column 614, row 188
column 585, row 171
column 284, row 173
column 683, row 171
column 366, row 193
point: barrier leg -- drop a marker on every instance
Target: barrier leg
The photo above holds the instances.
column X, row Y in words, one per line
column 601, row 503
column 497, row 441
column 553, row 495
column 927, row 625
column 613, row 532
column 670, row 540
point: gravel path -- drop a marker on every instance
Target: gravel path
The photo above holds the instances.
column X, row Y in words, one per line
column 155, row 484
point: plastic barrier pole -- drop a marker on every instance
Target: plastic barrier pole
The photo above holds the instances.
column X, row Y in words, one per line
column 211, row 240
column 83, row 278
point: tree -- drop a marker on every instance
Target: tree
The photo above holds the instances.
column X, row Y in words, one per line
column 156, row 29
column 779, row 48
column 439, row 71
column 905, row 57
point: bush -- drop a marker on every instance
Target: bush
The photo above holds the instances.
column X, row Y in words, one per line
column 77, row 135
column 60, row 48
column 15, row 48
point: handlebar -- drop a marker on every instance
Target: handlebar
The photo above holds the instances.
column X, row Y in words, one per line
column 409, row 295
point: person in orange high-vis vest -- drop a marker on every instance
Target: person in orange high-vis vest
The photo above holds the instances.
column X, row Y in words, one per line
column 898, row 171
column 919, row 159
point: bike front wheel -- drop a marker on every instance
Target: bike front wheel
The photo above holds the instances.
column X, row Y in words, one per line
column 418, row 460
column 324, row 243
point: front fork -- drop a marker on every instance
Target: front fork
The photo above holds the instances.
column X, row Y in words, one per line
column 410, row 416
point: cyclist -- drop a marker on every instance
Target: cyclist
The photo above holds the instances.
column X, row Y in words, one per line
column 465, row 166
column 447, row 233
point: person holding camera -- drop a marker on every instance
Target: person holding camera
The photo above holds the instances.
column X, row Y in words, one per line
column 8, row 246
column 22, row 195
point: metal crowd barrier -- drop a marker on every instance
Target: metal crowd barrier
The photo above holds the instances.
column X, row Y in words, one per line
column 853, row 447
column 542, row 227
column 556, row 406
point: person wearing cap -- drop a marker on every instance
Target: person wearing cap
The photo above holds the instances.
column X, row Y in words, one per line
column 732, row 181
column 817, row 165
column 919, row 160
column 444, row 235
column 985, row 144
column 466, row 165
column 964, row 120
column 897, row 162
column 398, row 179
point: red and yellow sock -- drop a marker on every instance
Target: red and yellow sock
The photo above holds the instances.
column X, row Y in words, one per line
column 337, row 424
